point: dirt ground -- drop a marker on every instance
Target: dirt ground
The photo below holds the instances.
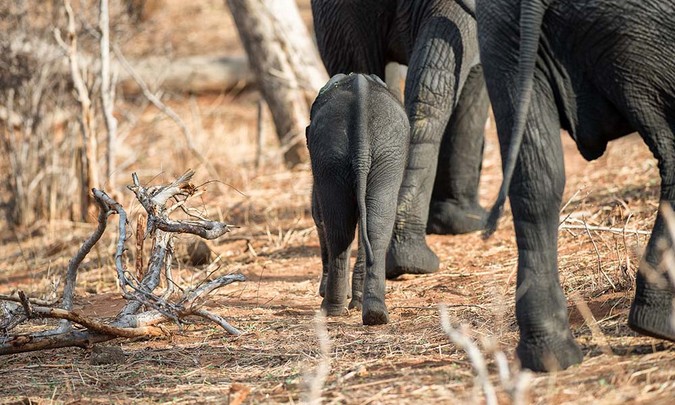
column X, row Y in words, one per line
column 610, row 207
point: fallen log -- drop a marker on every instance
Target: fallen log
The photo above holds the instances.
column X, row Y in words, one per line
column 193, row 74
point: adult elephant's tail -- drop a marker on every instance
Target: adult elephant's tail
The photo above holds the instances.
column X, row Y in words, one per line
column 531, row 18
column 362, row 161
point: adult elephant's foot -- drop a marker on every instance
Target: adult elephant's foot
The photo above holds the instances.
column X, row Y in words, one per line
column 410, row 256
column 450, row 218
column 374, row 312
column 651, row 313
column 549, row 353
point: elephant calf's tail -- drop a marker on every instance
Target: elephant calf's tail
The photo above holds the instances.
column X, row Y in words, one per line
column 531, row 18
column 362, row 162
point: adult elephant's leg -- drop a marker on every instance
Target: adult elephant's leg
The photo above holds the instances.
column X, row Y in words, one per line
column 652, row 310
column 454, row 202
column 546, row 342
column 431, row 86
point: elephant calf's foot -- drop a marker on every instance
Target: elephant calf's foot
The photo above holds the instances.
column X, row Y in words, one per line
column 449, row 218
column 334, row 309
column 651, row 314
column 410, row 256
column 549, row 355
column 375, row 312
column 356, row 303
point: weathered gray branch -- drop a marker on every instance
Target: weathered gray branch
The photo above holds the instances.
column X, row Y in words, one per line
column 83, row 251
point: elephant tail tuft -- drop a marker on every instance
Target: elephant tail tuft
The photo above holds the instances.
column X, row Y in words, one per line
column 531, row 18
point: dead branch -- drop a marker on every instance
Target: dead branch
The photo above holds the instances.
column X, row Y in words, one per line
column 74, row 263
column 129, row 323
column 91, row 324
column 217, row 319
column 16, row 298
column 73, row 338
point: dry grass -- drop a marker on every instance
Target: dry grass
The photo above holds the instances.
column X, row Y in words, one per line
column 410, row 360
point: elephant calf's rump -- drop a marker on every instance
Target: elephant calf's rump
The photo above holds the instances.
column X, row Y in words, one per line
column 358, row 141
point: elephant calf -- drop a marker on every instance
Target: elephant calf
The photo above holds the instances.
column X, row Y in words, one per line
column 358, row 141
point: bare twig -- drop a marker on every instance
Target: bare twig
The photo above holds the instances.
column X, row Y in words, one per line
column 597, row 252
column 207, row 288
column 27, row 307
column 140, row 238
column 592, row 323
column 218, row 320
column 585, row 226
column 119, row 252
column 16, row 298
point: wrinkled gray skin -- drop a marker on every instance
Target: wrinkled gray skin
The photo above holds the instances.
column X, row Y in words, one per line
column 599, row 69
column 445, row 100
column 358, row 140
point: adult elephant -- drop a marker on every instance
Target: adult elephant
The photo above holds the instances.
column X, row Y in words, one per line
column 599, row 69
column 445, row 100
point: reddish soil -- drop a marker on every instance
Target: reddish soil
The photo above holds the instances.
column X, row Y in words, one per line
column 409, row 360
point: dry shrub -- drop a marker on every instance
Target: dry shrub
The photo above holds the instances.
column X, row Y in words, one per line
column 37, row 134
column 40, row 139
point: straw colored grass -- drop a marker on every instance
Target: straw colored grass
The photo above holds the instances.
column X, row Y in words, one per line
column 408, row 361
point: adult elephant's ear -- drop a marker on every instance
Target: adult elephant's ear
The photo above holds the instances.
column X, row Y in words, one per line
column 531, row 18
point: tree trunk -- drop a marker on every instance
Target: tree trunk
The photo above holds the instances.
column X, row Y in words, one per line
column 286, row 63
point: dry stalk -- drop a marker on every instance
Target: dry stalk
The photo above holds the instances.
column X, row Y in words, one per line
column 108, row 80
column 596, row 333
column 516, row 386
column 86, row 109
column 473, row 352
column 585, row 226
column 316, row 380
column 597, row 252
